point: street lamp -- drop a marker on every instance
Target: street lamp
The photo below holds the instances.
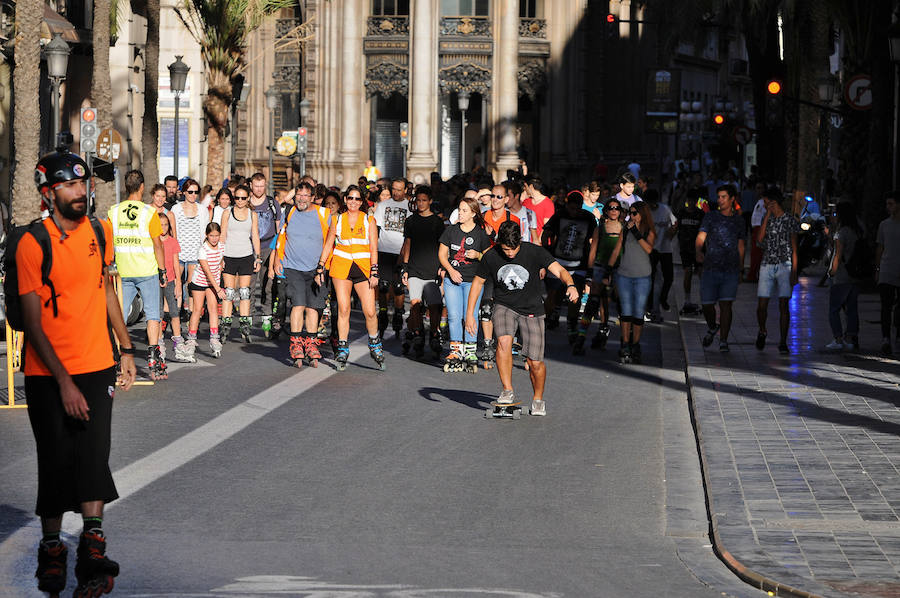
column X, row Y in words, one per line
column 462, row 98
column 178, row 72
column 826, row 86
column 237, row 93
column 57, row 55
column 304, row 114
column 273, row 98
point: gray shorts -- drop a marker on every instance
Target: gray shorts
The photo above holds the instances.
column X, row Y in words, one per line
column 531, row 330
column 302, row 290
column 425, row 290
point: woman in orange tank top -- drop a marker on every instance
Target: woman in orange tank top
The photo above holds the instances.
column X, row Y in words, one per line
column 352, row 246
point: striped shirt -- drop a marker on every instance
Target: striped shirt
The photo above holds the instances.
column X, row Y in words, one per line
column 214, row 258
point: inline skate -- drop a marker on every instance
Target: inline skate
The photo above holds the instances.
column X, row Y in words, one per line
column 215, row 345
column 341, row 355
column 376, row 351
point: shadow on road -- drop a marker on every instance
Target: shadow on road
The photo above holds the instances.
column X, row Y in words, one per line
column 475, row 400
column 11, row 520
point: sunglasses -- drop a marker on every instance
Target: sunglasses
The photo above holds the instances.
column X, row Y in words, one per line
column 242, row 197
column 191, row 192
column 354, row 198
column 499, row 196
column 614, row 209
column 633, row 212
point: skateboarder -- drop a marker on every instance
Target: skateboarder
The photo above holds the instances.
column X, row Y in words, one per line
column 514, row 267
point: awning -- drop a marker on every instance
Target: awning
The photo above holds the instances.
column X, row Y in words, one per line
column 54, row 22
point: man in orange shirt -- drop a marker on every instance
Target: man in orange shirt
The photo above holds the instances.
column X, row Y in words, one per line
column 70, row 373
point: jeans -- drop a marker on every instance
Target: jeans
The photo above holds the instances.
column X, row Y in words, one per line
column 456, row 297
column 843, row 296
column 148, row 286
column 633, row 293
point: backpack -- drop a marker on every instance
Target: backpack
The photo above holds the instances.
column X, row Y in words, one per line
column 12, row 300
column 861, row 263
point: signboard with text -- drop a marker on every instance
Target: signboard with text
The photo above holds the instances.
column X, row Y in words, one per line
column 663, row 101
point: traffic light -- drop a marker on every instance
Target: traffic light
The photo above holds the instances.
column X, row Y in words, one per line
column 718, row 119
column 301, row 140
column 612, row 26
column 774, row 104
column 89, row 131
column 404, row 134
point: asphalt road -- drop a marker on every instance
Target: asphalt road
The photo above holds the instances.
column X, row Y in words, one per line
column 250, row 478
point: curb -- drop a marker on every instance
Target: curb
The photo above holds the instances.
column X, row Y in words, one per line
column 751, row 577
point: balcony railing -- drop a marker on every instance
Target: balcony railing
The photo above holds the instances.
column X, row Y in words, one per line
column 533, row 28
column 466, row 26
column 387, row 26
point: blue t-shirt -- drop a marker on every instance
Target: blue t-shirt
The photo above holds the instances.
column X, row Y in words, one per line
column 722, row 236
column 303, row 241
column 587, row 208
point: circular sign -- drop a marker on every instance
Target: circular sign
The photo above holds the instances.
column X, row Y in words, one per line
column 858, row 92
column 286, row 146
column 109, row 144
column 742, row 135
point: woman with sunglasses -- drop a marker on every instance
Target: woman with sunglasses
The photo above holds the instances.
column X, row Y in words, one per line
column 190, row 230
column 632, row 251
column 611, row 225
column 240, row 234
column 352, row 247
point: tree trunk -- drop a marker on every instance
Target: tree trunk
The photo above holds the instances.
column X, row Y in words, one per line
column 150, row 124
column 216, row 107
column 26, row 109
column 101, row 94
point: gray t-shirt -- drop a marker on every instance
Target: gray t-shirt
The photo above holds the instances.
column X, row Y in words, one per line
column 889, row 238
column 635, row 262
column 847, row 236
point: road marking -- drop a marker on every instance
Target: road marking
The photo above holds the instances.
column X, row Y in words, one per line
column 17, row 551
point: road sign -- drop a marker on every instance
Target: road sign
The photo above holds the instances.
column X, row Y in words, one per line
column 109, row 144
column 286, row 145
column 858, row 92
column 742, row 135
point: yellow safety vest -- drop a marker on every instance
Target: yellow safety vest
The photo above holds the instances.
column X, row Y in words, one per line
column 131, row 235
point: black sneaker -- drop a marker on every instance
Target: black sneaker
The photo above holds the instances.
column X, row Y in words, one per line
column 94, row 570
column 761, row 340
column 710, row 335
column 783, row 349
column 723, row 347
column 51, row 569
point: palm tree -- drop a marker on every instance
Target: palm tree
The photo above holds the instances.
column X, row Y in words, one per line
column 221, row 28
column 101, row 91
column 27, row 117
column 150, row 126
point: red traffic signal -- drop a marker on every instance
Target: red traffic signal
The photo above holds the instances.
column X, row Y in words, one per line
column 610, row 18
column 301, row 131
column 773, row 87
column 718, row 119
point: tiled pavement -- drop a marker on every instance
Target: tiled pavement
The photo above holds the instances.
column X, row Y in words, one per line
column 800, row 452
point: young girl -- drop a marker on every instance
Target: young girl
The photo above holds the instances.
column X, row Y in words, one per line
column 205, row 286
column 172, row 291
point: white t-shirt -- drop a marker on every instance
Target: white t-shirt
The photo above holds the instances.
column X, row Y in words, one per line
column 528, row 221
column 214, row 257
column 217, row 215
column 626, row 202
column 759, row 213
column 663, row 219
column 390, row 216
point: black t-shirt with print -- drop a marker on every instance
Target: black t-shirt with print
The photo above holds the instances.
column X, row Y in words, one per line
column 423, row 233
column 572, row 238
column 458, row 242
column 517, row 281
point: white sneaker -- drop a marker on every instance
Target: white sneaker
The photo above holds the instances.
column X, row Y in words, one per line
column 538, row 407
column 506, row 397
column 836, row 345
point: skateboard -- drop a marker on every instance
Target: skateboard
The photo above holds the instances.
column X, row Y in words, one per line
column 513, row 410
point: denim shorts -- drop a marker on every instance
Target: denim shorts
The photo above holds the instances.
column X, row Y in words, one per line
column 718, row 286
column 148, row 287
column 633, row 293
column 775, row 278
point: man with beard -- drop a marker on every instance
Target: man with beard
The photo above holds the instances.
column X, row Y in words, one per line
column 70, row 371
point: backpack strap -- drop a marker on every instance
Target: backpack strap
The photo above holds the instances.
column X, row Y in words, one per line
column 101, row 239
column 42, row 236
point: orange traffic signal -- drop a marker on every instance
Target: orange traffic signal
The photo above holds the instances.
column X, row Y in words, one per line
column 719, row 119
column 774, row 87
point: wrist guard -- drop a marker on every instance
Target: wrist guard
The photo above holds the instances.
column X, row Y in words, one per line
column 162, row 275
column 637, row 233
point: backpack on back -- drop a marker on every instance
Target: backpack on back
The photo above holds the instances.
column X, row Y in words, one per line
column 12, row 301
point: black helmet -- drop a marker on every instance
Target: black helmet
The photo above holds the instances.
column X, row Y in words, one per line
column 59, row 167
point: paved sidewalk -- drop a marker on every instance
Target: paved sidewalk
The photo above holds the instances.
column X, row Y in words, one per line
column 800, row 452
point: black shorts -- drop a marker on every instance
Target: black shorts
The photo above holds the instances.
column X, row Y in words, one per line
column 688, row 258
column 238, row 266
column 73, row 456
column 196, row 287
column 387, row 267
column 356, row 274
column 302, row 290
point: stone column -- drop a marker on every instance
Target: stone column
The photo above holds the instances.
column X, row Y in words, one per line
column 423, row 96
column 506, row 64
column 352, row 77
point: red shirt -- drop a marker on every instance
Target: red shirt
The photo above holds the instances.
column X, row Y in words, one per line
column 543, row 211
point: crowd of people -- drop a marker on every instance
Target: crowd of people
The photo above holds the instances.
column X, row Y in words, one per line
column 486, row 268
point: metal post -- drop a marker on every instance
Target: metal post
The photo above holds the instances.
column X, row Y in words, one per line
column 177, row 106
column 234, row 134
column 462, row 144
column 271, row 185
column 896, row 164
column 54, row 96
column 302, row 164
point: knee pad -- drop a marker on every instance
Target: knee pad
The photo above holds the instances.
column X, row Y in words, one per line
column 230, row 294
column 244, row 293
column 399, row 289
column 486, row 311
column 383, row 286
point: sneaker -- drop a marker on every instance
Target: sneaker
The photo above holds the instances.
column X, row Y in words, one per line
column 761, row 340
column 853, row 344
column 783, row 349
column 648, row 317
column 723, row 347
column 506, row 397
column 710, row 335
column 838, row 345
column 538, row 407
column 51, row 570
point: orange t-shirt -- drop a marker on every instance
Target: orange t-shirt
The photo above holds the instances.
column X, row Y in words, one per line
column 79, row 333
column 495, row 224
